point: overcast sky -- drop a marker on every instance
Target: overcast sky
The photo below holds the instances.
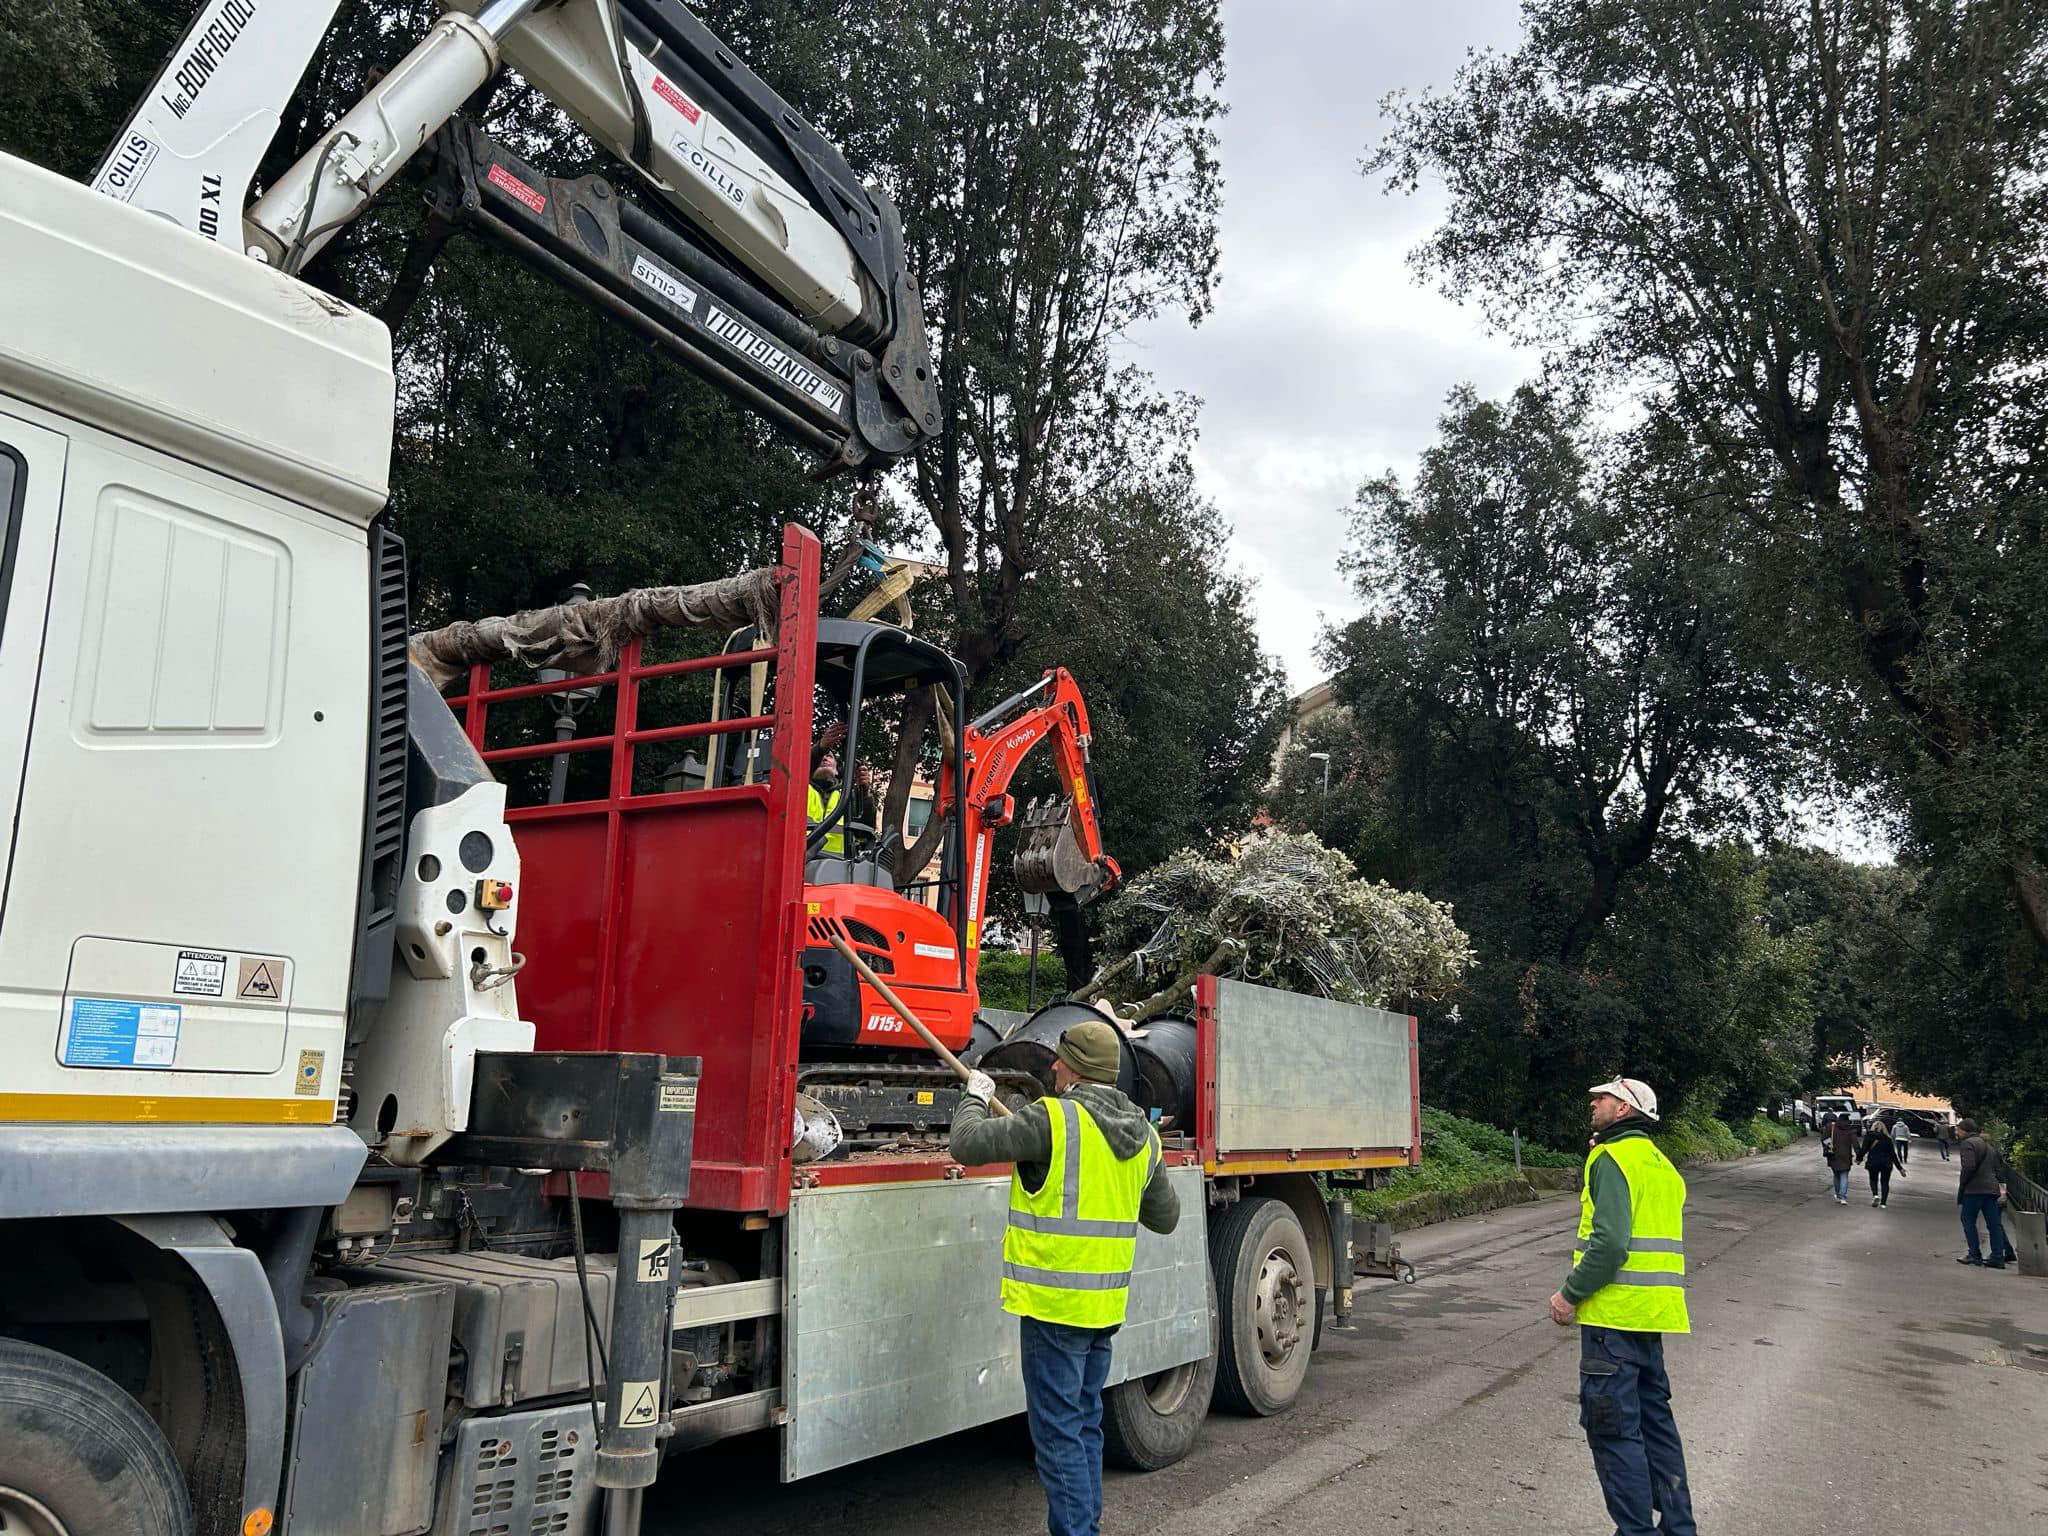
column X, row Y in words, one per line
column 1324, row 360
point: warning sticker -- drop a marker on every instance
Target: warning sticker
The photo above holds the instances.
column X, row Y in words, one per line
column 201, row 973
column 676, row 99
column 105, row 1032
column 506, row 182
column 677, row 1098
column 639, row 1403
column 260, row 980
column 653, row 1265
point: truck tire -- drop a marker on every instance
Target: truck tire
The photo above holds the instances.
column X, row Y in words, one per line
column 81, row 1458
column 1151, row 1422
column 1265, row 1296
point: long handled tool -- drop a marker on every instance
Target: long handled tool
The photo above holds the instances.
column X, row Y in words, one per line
column 853, row 958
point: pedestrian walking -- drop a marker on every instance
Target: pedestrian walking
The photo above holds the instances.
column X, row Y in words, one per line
column 1902, row 1137
column 1944, row 1133
column 1088, row 1172
column 1879, row 1156
column 1626, row 1291
column 1980, row 1187
column 1839, row 1148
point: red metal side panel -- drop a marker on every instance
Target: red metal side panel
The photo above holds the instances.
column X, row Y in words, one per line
column 561, row 883
column 1205, row 1068
column 1415, row 1092
column 667, row 922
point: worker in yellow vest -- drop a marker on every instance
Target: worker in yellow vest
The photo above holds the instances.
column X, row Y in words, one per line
column 824, row 797
column 1088, row 1173
column 1626, row 1291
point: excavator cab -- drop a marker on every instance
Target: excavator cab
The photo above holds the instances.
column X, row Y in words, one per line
column 916, row 938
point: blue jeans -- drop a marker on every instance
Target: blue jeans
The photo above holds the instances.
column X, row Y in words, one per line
column 1994, row 1224
column 1943, row 1144
column 1841, row 1183
column 1064, row 1369
column 1625, row 1410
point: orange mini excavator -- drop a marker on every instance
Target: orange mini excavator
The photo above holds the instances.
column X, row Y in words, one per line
column 925, row 938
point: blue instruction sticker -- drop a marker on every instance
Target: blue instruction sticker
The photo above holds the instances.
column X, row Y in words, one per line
column 107, row 1033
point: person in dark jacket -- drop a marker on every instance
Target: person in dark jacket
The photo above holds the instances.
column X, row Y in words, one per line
column 1879, row 1155
column 1839, row 1148
column 1980, row 1186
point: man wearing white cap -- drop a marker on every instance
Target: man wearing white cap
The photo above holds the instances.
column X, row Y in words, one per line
column 1626, row 1291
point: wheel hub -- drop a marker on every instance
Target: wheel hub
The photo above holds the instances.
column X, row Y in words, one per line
column 1168, row 1390
column 1279, row 1303
column 23, row 1514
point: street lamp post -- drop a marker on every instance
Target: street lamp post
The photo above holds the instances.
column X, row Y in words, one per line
column 1323, row 810
column 1036, row 907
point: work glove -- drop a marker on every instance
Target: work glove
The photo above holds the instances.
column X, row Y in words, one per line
column 979, row 1085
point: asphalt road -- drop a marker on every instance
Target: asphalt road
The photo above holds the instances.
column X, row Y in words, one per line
column 1843, row 1370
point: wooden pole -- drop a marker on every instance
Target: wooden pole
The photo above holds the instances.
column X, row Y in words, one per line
column 853, row 958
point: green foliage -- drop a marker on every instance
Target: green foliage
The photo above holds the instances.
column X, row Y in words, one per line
column 1693, row 1134
column 1003, row 976
column 1284, row 911
column 1765, row 1134
column 1807, row 243
column 1456, row 1154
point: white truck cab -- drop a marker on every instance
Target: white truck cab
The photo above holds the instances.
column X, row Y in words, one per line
column 192, row 447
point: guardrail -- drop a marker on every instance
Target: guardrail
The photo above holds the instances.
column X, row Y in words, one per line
column 2023, row 1194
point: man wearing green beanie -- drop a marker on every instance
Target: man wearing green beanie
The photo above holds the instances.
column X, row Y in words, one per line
column 1087, row 1173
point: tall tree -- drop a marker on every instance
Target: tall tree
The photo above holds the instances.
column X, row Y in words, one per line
column 1815, row 233
column 1554, row 689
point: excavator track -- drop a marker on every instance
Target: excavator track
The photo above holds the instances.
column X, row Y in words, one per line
column 888, row 1102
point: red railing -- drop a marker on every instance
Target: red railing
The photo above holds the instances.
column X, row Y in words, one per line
column 663, row 920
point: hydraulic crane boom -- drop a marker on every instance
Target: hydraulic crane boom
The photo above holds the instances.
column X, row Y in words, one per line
column 760, row 260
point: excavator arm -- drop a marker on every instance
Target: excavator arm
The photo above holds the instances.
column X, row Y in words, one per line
column 752, row 254
column 1059, row 852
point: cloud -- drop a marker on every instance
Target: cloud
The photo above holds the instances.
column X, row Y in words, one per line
column 1324, row 361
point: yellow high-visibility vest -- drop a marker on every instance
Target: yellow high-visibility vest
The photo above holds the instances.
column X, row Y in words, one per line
column 1068, row 1247
column 816, row 809
column 1647, row 1294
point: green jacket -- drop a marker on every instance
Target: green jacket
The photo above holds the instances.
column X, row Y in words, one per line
column 1025, row 1138
column 1608, row 1246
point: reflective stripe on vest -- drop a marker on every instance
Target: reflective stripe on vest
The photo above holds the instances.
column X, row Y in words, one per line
column 816, row 809
column 1647, row 1294
column 1068, row 1246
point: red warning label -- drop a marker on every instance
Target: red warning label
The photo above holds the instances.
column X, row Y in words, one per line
column 500, row 177
column 675, row 98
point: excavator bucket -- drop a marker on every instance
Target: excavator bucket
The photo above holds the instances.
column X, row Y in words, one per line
column 1049, row 859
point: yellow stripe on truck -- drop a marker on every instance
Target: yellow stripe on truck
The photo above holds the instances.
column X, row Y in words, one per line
column 131, row 1108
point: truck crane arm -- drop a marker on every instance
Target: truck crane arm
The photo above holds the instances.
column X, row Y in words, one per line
column 758, row 258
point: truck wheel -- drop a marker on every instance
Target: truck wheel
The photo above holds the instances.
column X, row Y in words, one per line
column 1151, row 1422
column 82, row 1458
column 1265, row 1295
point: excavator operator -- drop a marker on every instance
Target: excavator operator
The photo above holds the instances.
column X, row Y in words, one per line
column 825, row 789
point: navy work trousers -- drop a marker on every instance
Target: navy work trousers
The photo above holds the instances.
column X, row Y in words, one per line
column 1064, row 1369
column 1625, row 1409
column 1994, row 1226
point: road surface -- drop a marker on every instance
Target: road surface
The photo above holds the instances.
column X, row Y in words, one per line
column 1843, row 1370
